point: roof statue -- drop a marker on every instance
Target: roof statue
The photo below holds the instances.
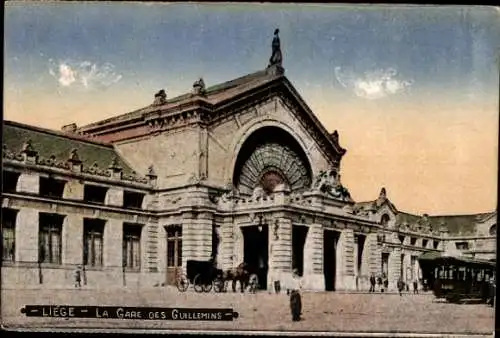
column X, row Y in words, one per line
column 199, row 87
column 160, row 97
column 276, row 60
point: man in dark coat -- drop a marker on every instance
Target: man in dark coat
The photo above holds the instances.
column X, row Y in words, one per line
column 401, row 286
column 295, row 297
column 372, row 282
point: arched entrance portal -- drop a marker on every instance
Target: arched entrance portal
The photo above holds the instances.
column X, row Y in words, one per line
column 269, row 157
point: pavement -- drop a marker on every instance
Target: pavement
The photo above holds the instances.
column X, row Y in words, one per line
column 322, row 311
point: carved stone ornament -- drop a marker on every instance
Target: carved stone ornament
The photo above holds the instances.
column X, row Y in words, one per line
column 28, row 149
column 73, row 157
column 328, row 182
column 114, row 164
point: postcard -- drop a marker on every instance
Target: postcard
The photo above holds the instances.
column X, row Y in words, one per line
column 317, row 169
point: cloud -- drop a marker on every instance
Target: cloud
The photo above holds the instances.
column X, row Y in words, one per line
column 373, row 84
column 85, row 74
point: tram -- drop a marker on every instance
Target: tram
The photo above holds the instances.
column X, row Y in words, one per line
column 459, row 279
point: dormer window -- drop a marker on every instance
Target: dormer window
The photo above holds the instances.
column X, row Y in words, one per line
column 384, row 221
column 94, row 193
column 132, row 200
column 50, row 187
column 9, row 181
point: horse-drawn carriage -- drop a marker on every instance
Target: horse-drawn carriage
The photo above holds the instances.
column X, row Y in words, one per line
column 205, row 276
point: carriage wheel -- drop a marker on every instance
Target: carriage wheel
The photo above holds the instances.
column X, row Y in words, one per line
column 182, row 283
column 197, row 284
column 253, row 282
column 219, row 285
column 207, row 287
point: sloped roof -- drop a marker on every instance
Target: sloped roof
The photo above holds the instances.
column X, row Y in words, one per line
column 214, row 95
column 48, row 143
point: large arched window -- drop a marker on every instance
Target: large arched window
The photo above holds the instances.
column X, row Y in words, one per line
column 493, row 230
column 269, row 157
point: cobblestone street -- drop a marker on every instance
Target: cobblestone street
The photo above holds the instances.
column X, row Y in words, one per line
column 262, row 311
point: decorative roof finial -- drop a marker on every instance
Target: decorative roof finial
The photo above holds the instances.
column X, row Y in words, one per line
column 199, row 87
column 276, row 60
column 383, row 194
column 160, row 97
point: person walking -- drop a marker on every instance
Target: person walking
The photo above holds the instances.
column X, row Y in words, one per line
column 400, row 286
column 78, row 277
column 372, row 282
column 295, row 296
column 379, row 282
column 415, row 287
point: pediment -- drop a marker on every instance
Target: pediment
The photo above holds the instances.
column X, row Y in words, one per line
column 279, row 99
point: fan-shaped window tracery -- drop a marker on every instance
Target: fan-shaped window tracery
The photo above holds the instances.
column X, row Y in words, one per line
column 269, row 157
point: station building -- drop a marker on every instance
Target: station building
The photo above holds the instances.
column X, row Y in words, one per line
column 242, row 171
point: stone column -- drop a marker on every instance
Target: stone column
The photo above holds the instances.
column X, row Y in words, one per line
column 394, row 268
column 114, row 196
column 72, row 234
column 280, row 259
column 29, row 182
column 345, row 264
column 313, row 259
column 27, row 228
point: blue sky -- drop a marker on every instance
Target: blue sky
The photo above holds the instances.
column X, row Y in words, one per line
column 360, row 68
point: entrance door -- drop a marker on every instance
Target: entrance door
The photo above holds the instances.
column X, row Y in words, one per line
column 330, row 240
column 255, row 251
column 174, row 253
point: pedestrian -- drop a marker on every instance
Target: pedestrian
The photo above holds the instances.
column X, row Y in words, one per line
column 380, row 285
column 386, row 282
column 78, row 277
column 295, row 296
column 400, row 286
column 415, row 286
column 372, row 282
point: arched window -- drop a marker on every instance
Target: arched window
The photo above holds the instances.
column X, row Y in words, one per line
column 385, row 220
column 493, row 230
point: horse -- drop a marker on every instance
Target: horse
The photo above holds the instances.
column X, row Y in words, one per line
column 238, row 274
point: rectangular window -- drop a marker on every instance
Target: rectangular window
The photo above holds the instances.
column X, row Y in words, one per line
column 424, row 243
column 8, row 234
column 9, row 181
column 435, row 244
column 174, row 246
column 132, row 246
column 93, row 230
column 132, row 200
column 94, row 193
column 50, row 238
column 50, row 187
column 462, row 246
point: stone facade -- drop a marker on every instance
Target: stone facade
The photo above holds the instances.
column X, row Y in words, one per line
column 195, row 203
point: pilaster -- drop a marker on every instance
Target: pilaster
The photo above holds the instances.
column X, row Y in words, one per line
column 394, row 267
column 196, row 237
column 72, row 233
column 114, row 196
column 227, row 237
column 113, row 244
column 73, row 190
column 28, row 182
column 280, row 258
column 26, row 249
column 151, row 246
column 313, row 258
column 345, row 275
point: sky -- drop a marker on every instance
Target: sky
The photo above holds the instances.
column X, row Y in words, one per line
column 413, row 91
